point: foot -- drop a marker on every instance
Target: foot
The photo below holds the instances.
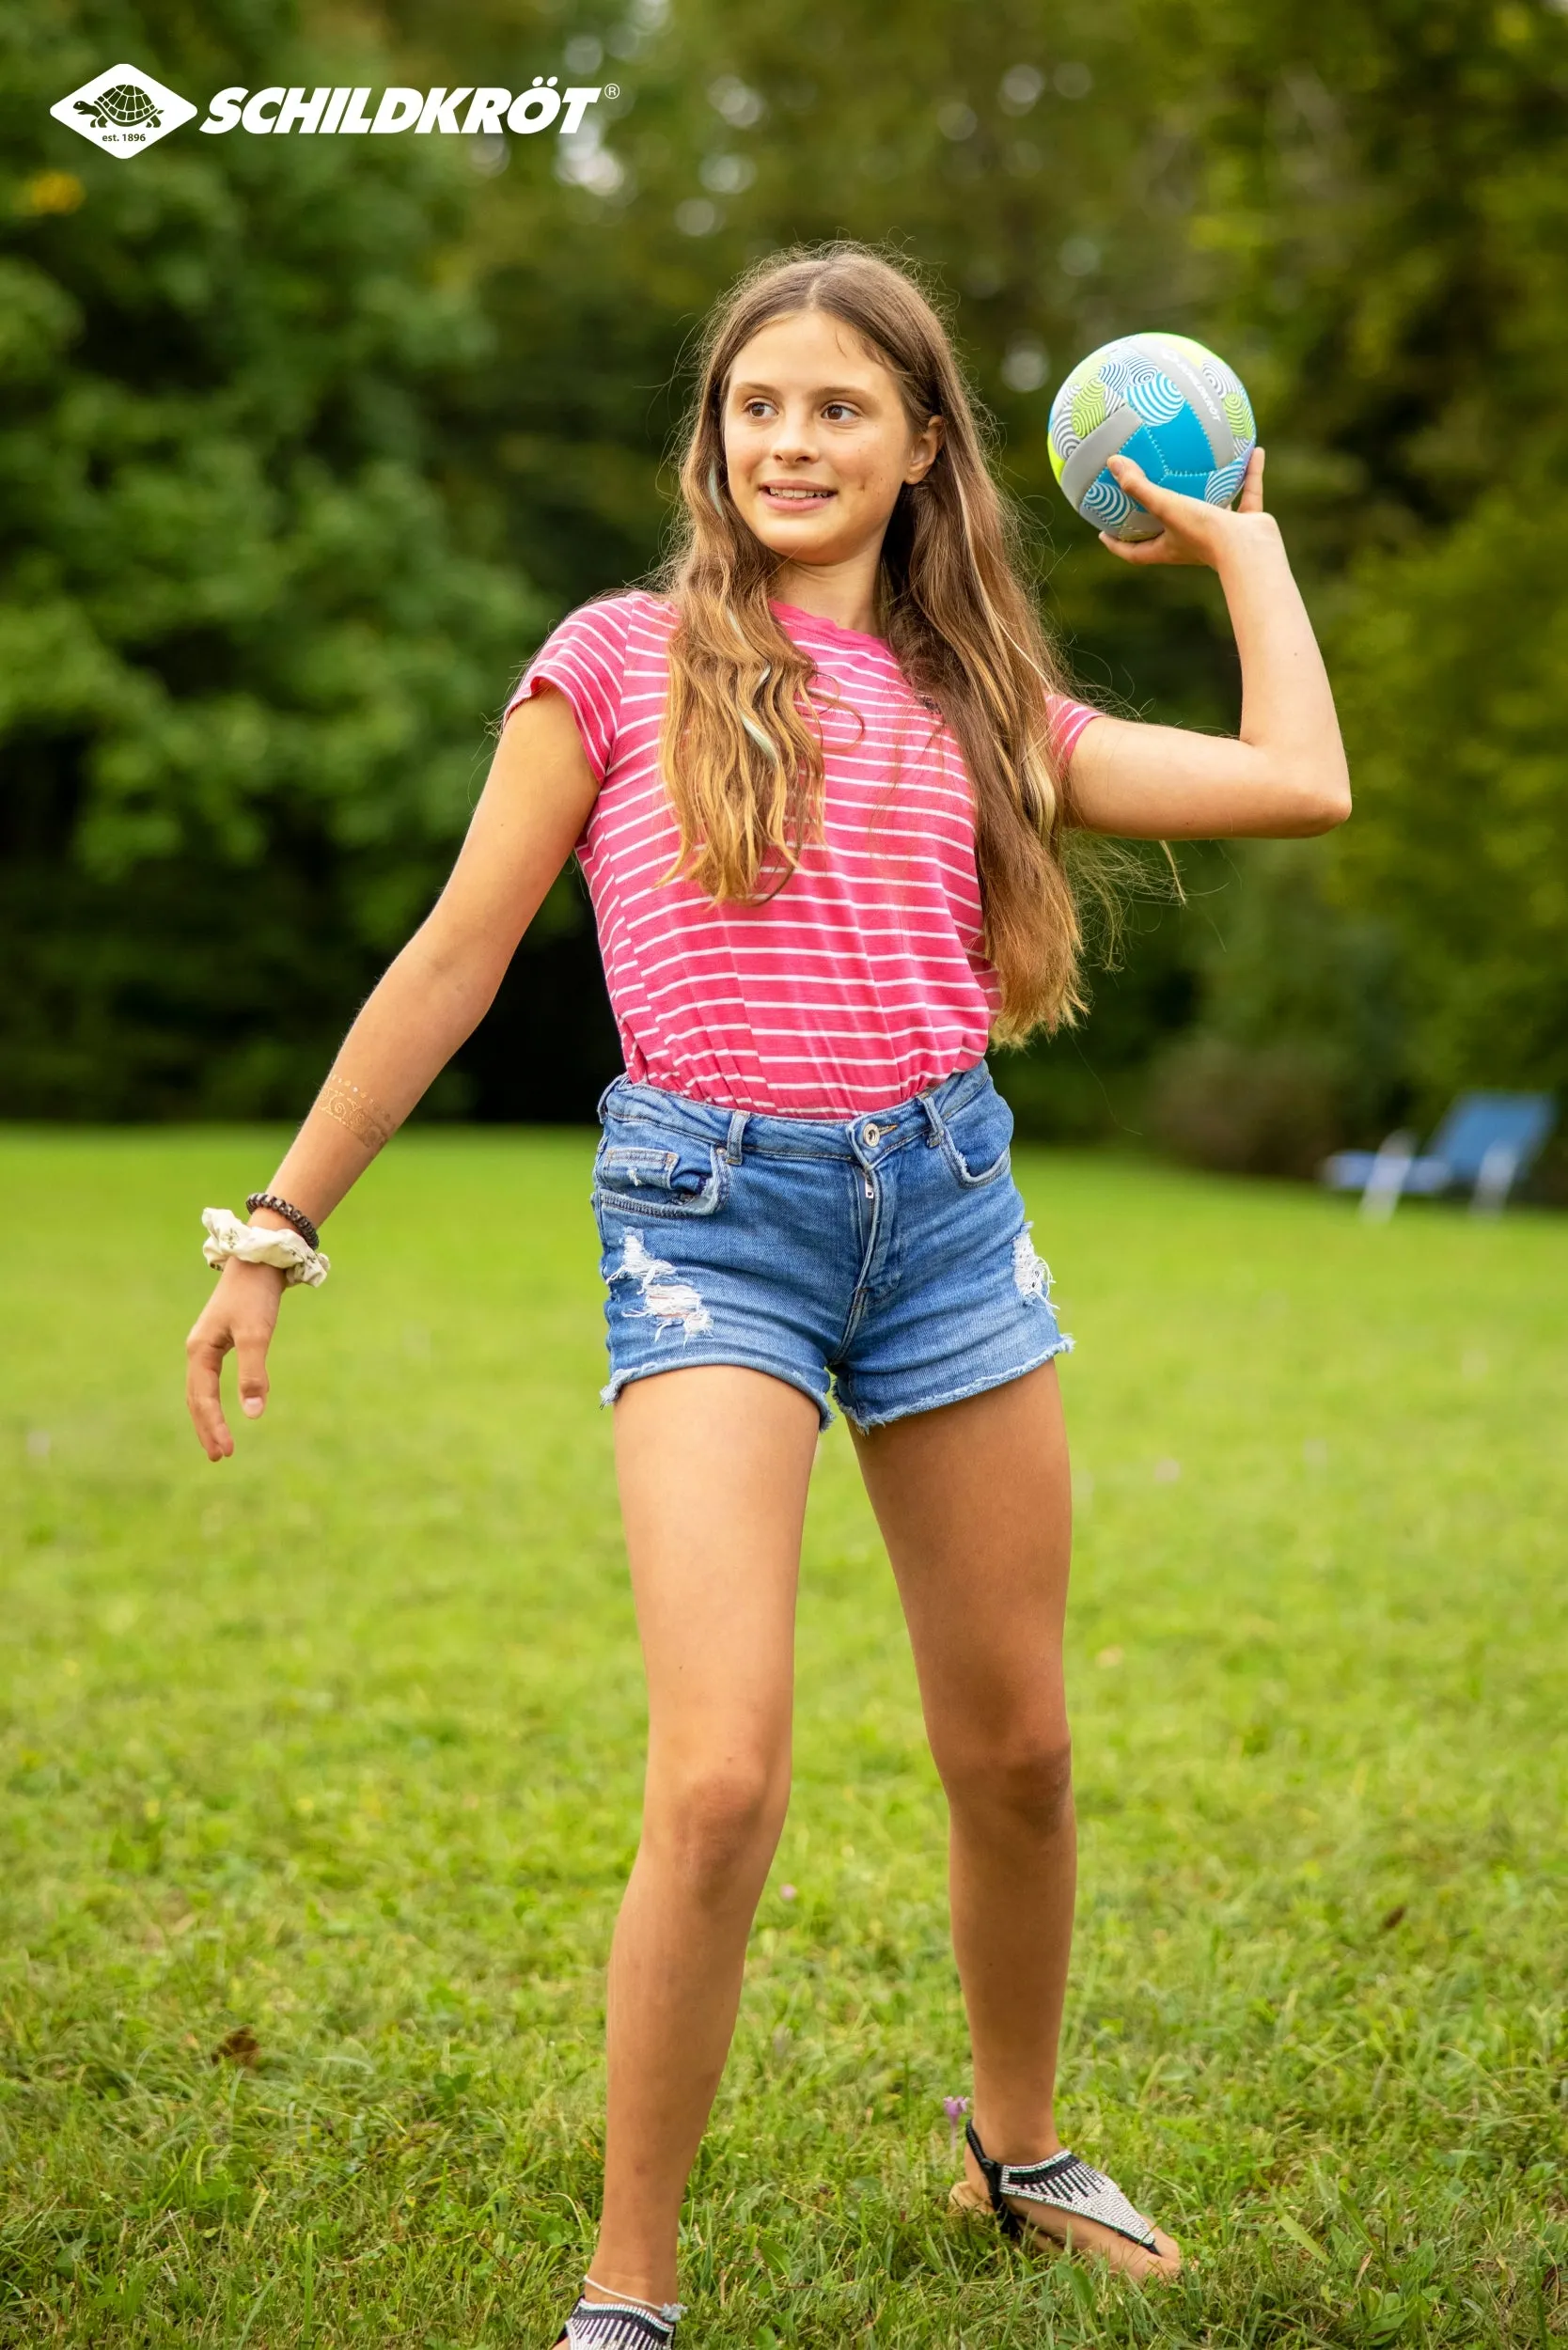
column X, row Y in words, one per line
column 1066, row 2231
column 606, row 2318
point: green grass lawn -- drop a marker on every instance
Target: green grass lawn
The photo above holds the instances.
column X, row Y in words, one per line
column 331, row 1755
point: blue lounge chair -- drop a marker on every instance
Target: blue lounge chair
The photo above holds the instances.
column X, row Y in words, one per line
column 1486, row 1142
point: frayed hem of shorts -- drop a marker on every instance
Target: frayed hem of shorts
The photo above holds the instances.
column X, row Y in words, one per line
column 1061, row 1345
column 609, row 1393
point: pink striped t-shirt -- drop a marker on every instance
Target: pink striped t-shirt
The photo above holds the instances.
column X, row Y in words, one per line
column 863, row 980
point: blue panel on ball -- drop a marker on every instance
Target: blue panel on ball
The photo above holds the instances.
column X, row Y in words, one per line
column 1179, row 446
column 1144, row 450
column 1184, row 444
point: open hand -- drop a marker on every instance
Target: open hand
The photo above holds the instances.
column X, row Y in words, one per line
column 241, row 1316
column 1192, row 530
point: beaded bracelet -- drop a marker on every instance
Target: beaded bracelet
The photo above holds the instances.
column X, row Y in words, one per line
column 290, row 1214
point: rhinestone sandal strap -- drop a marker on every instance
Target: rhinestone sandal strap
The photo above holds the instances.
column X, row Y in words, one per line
column 1065, row 2184
column 621, row 2325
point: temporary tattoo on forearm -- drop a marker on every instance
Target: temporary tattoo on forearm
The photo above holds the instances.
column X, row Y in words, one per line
column 364, row 1117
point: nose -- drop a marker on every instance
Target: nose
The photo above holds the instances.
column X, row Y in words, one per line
column 795, row 436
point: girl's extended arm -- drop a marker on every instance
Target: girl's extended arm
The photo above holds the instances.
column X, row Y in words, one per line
column 1285, row 774
column 535, row 802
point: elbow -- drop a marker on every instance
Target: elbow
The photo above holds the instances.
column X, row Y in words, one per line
column 1330, row 810
column 1321, row 801
column 453, row 969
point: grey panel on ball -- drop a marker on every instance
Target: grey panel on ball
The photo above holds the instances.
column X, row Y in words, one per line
column 1089, row 458
column 1204, row 403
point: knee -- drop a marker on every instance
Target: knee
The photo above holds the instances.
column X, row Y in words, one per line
column 717, row 1824
column 1020, row 1781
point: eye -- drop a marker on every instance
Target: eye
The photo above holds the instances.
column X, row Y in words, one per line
column 839, row 408
column 754, row 408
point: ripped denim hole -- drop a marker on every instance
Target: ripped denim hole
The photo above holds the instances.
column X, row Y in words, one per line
column 671, row 1302
column 1031, row 1274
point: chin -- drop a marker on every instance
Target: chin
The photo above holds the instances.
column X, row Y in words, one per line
column 785, row 534
column 801, row 545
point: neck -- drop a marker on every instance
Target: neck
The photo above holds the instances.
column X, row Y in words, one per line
column 844, row 592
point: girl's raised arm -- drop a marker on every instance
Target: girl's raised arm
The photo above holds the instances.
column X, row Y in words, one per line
column 1285, row 774
column 536, row 801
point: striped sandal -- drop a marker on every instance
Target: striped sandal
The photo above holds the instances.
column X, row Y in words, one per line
column 1061, row 2184
column 619, row 2324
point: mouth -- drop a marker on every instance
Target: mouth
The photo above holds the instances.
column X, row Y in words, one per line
column 792, row 497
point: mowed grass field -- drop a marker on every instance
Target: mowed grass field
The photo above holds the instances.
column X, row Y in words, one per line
column 322, row 1767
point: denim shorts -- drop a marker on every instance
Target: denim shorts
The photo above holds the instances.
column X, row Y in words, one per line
column 887, row 1259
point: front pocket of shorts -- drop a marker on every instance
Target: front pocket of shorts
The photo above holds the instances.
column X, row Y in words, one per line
column 977, row 1142
column 643, row 1180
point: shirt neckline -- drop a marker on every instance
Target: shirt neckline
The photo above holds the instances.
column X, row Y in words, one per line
column 836, row 628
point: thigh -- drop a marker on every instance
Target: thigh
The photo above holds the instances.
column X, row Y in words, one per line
column 975, row 1505
column 714, row 1463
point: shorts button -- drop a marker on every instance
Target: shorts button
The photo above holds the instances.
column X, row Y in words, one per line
column 871, row 1136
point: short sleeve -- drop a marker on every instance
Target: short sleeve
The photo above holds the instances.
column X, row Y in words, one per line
column 585, row 659
column 1065, row 720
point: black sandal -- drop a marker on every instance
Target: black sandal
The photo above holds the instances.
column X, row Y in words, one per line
column 619, row 2324
column 1062, row 2183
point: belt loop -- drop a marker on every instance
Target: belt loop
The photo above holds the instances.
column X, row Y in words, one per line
column 737, row 1128
column 604, row 1097
column 933, row 1115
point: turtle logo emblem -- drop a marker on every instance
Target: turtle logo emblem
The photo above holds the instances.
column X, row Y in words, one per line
column 127, row 103
column 123, row 110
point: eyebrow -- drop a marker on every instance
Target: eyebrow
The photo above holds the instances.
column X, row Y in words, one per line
column 822, row 391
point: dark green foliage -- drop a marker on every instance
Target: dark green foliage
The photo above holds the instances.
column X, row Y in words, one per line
column 1457, row 681
column 290, row 427
column 247, row 658
column 1303, row 1036
column 1394, row 211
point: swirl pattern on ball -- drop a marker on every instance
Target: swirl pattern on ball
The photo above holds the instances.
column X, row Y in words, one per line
column 1166, row 401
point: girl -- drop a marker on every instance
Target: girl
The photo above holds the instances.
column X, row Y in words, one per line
column 819, row 786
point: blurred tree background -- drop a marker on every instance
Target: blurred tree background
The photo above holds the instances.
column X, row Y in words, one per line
column 304, row 445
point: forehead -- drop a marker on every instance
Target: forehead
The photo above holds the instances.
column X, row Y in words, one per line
column 807, row 347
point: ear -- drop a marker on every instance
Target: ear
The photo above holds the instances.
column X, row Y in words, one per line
column 928, row 441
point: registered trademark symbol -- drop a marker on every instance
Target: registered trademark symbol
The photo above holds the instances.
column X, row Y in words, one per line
column 612, row 89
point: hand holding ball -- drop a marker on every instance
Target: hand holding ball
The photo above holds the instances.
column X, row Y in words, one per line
column 1173, row 408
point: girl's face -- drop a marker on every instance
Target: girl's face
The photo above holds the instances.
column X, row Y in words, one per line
column 816, row 441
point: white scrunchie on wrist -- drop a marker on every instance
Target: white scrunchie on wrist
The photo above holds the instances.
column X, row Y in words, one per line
column 257, row 1244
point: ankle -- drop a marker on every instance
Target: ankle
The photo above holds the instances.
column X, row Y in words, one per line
column 608, row 2283
column 1014, row 2135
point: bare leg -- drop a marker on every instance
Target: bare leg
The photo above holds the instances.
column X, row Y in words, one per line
column 713, row 1464
column 974, row 1502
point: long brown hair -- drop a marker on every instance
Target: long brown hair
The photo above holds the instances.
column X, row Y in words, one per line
column 741, row 755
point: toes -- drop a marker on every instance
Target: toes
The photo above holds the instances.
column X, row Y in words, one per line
column 1161, row 2265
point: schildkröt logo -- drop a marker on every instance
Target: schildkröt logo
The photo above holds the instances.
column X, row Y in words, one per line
column 339, row 112
column 123, row 110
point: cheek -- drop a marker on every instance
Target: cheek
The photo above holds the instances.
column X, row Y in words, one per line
column 873, row 487
column 864, row 469
column 879, row 464
column 739, row 455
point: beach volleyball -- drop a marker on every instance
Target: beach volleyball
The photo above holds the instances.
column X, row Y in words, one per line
column 1170, row 404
